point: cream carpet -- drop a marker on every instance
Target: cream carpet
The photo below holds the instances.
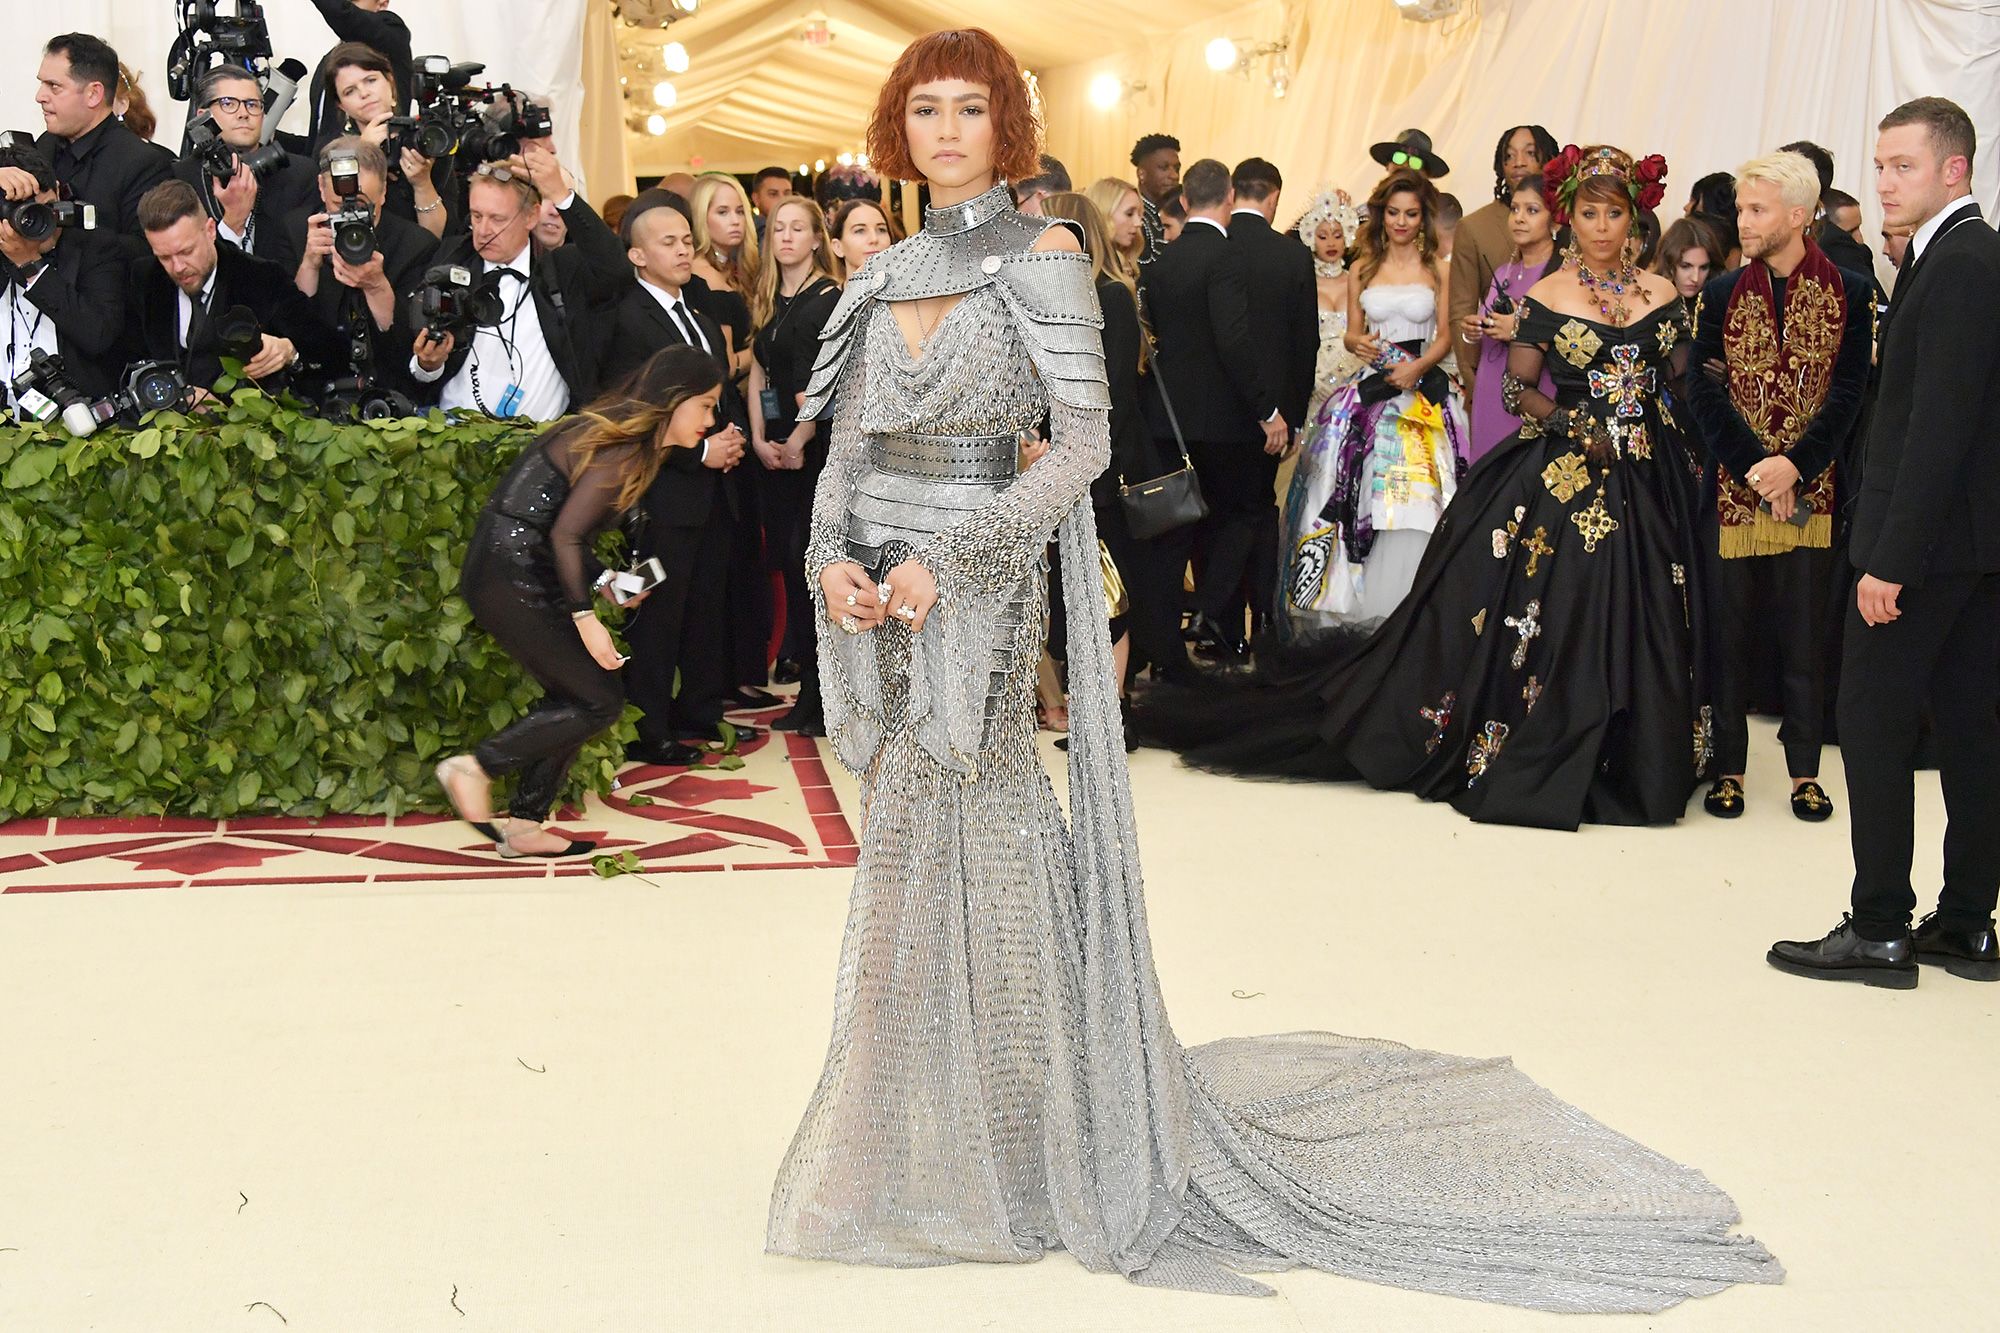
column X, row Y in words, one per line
column 558, row 1104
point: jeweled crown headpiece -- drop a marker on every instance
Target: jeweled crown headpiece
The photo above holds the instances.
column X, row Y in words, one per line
column 1568, row 170
column 1329, row 205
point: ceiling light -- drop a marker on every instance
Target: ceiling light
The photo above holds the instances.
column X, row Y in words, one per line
column 675, row 57
column 804, row 169
column 861, row 160
column 664, row 94
column 1105, row 90
column 1221, row 54
column 845, row 159
column 1428, row 11
column 819, row 164
column 656, row 124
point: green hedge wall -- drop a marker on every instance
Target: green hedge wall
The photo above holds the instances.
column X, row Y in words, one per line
column 252, row 611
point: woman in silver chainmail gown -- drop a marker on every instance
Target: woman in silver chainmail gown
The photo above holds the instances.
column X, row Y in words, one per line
column 1002, row 1078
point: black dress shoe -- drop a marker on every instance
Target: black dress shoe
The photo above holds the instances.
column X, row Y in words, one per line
column 1810, row 803
column 1845, row 956
column 1972, row 954
column 788, row 672
column 668, row 754
column 749, row 698
column 745, row 733
column 801, row 720
column 1724, row 799
column 1216, row 641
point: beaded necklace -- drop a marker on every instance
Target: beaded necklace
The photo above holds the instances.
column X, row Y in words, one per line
column 1612, row 307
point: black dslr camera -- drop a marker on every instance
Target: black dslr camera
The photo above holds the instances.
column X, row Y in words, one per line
column 44, row 390
column 209, row 38
column 449, row 302
column 37, row 221
column 482, row 122
column 499, row 127
column 353, row 222
column 219, row 160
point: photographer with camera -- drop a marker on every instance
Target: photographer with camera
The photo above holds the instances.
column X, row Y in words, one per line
column 95, row 156
column 251, row 188
column 358, row 258
column 365, row 23
column 196, row 301
column 540, row 351
column 422, row 188
column 62, row 288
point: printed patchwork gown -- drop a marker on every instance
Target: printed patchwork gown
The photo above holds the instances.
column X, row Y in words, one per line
column 1002, row 1079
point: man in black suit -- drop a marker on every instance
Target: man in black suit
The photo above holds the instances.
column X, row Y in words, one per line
column 1227, row 406
column 63, row 294
column 193, row 280
column 693, row 508
column 1925, row 625
column 542, row 359
column 94, row 155
column 1284, row 325
column 360, row 301
column 250, row 211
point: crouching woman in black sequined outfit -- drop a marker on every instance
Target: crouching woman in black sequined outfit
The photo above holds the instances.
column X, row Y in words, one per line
column 529, row 574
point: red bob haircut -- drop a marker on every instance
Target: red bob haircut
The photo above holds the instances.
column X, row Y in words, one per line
column 976, row 56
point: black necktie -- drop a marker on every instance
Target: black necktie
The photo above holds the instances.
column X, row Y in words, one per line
column 685, row 318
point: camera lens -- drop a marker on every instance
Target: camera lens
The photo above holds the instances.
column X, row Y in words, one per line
column 32, row 220
column 155, row 387
column 354, row 239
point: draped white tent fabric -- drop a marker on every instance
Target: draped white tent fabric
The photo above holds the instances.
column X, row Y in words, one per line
column 1708, row 83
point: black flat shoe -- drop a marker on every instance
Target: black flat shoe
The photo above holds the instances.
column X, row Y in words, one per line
column 1972, row 954
column 575, row 848
column 755, row 699
column 1810, row 803
column 1845, row 956
column 1724, row 799
column 480, row 826
column 788, row 672
column 669, row 754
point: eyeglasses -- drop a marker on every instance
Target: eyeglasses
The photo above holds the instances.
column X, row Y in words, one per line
column 1403, row 159
column 232, row 105
column 499, row 172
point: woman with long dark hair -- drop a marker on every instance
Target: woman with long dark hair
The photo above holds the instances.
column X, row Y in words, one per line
column 856, row 231
column 1499, row 315
column 1548, row 666
column 529, row 577
column 1401, row 427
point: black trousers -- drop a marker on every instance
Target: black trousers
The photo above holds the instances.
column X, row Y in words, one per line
column 1943, row 651
column 1239, row 481
column 683, row 629
column 1155, row 570
column 1779, row 600
column 580, row 698
column 748, row 607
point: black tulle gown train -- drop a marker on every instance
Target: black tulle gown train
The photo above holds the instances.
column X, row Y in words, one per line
column 1547, row 668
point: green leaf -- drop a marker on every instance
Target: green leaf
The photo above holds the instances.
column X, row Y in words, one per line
column 343, row 528
column 239, row 550
column 146, row 443
column 127, row 734
column 40, row 715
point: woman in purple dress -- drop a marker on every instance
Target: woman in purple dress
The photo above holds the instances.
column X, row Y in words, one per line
column 1491, row 329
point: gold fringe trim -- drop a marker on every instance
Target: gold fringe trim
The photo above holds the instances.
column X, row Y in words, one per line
column 1768, row 536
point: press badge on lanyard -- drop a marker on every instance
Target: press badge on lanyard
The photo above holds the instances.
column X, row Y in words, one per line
column 510, row 402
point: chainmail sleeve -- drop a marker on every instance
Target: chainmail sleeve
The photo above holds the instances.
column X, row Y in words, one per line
column 827, row 542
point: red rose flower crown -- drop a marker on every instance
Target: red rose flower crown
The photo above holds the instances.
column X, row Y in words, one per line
column 1567, row 170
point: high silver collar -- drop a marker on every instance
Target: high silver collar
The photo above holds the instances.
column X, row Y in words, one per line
column 953, row 219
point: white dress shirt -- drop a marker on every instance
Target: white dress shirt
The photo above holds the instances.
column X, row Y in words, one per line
column 1928, row 232
column 186, row 304
column 512, row 353
column 682, row 318
column 28, row 328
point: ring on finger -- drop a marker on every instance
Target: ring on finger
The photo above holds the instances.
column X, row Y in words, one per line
column 906, row 611
column 850, row 624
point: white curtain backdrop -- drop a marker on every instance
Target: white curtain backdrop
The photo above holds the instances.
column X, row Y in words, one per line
column 1709, row 83
column 536, row 45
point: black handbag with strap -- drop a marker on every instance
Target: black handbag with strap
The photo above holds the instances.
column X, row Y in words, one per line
column 1172, row 500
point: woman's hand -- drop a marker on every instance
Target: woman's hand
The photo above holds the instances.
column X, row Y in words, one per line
column 597, row 640
column 850, row 592
column 794, row 449
column 1473, row 327
column 1364, row 345
column 912, row 594
column 770, row 455
column 1404, row 374
column 1501, row 328
column 1033, row 449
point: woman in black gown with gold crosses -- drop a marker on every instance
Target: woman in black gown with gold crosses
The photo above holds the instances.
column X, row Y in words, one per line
column 1547, row 667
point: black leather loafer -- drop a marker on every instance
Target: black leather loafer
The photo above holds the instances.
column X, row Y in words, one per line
column 1972, row 954
column 1811, row 803
column 1845, row 956
column 668, row 754
column 1724, row 799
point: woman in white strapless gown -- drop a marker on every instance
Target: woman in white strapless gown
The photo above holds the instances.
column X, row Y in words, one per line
column 1399, row 433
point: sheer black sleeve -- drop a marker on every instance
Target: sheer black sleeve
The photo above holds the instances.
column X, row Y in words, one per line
column 592, row 507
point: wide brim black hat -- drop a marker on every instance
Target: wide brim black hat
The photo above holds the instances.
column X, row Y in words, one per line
column 1417, row 144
